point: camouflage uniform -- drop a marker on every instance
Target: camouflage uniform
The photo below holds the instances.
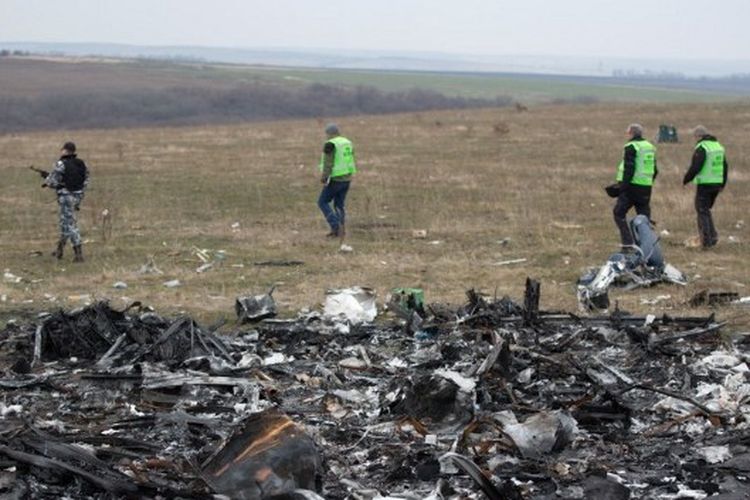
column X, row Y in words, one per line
column 69, row 178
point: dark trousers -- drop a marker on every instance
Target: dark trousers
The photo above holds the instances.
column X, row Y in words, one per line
column 705, row 196
column 334, row 192
column 631, row 196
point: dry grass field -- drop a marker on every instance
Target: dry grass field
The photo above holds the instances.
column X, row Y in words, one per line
column 487, row 186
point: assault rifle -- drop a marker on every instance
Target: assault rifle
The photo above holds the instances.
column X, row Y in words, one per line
column 42, row 173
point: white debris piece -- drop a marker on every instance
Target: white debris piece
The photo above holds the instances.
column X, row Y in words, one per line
column 353, row 363
column 84, row 297
column 355, row 305
column 397, row 363
column 542, row 433
column 345, row 248
column 172, row 283
column 134, row 411
column 204, row 267
column 10, row 410
column 119, row 285
column 656, row 300
column 525, row 376
column 509, row 262
column 277, row 358
column 351, row 396
column 9, row 277
column 715, row 454
column 719, row 360
column 683, row 492
column 464, row 383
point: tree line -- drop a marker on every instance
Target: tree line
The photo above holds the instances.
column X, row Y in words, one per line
column 195, row 106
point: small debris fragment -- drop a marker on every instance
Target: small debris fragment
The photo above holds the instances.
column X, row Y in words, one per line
column 255, row 307
column 509, row 262
column 9, row 277
column 355, row 305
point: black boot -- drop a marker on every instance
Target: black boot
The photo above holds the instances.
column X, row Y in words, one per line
column 58, row 253
column 78, row 253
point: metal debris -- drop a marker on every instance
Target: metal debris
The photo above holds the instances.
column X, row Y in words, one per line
column 644, row 266
column 255, row 307
column 490, row 399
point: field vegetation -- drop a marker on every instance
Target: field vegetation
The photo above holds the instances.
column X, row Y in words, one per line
column 487, row 185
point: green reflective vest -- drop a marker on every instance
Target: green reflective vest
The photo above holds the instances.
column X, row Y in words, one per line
column 712, row 171
column 645, row 163
column 343, row 159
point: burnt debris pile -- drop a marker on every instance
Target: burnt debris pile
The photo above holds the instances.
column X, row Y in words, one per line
column 491, row 399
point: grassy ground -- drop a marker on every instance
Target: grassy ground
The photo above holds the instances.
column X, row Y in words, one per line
column 483, row 195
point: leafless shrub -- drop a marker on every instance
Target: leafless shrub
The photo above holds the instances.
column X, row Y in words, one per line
column 501, row 128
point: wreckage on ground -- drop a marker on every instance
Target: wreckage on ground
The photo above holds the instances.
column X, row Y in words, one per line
column 491, row 399
column 643, row 266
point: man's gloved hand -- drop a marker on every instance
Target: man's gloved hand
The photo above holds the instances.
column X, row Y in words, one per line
column 77, row 206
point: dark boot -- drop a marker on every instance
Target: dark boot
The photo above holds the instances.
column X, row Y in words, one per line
column 58, row 253
column 78, row 253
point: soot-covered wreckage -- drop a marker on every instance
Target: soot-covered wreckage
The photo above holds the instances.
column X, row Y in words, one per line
column 491, row 399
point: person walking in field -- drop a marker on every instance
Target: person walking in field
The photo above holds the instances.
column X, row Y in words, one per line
column 337, row 167
column 708, row 170
column 635, row 177
column 69, row 179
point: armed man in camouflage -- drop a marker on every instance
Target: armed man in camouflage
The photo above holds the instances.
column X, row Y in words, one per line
column 69, row 178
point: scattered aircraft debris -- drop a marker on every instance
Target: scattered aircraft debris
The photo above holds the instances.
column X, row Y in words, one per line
column 493, row 399
column 641, row 267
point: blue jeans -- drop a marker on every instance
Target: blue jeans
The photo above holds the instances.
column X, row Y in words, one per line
column 336, row 192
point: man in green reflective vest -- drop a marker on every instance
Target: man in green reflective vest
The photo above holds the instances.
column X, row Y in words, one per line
column 337, row 166
column 635, row 176
column 708, row 170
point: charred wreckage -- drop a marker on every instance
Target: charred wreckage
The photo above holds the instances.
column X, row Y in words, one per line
column 491, row 399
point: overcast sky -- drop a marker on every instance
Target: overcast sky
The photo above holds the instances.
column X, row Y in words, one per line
column 625, row 28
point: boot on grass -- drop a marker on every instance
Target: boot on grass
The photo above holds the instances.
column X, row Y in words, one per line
column 58, row 252
column 78, row 253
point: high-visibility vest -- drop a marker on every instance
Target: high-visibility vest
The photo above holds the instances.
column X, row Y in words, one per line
column 645, row 163
column 712, row 171
column 343, row 159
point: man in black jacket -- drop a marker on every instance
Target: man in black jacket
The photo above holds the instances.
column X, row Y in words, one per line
column 708, row 170
column 635, row 176
column 69, row 179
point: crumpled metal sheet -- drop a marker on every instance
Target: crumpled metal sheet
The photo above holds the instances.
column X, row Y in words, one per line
column 644, row 266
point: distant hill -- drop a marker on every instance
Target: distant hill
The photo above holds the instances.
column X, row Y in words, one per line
column 47, row 92
column 389, row 60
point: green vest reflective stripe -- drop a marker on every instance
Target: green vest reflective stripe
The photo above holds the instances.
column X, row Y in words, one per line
column 645, row 164
column 712, row 171
column 343, row 159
